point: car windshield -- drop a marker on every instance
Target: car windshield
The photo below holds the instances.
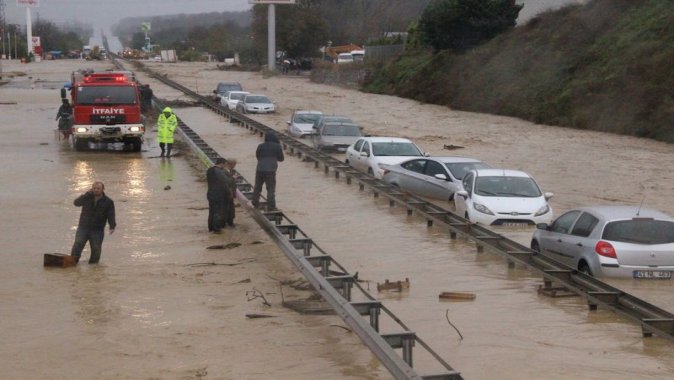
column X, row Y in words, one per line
column 499, row 186
column 338, row 119
column 640, row 231
column 257, row 99
column 459, row 169
column 395, row 149
column 305, row 118
column 236, row 96
column 106, row 95
column 341, row 130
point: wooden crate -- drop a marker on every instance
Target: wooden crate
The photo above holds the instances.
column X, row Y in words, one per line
column 59, row 260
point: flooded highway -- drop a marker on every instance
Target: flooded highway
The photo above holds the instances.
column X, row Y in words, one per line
column 147, row 312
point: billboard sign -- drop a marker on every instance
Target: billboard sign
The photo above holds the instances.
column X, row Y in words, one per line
column 28, row 3
column 271, row 1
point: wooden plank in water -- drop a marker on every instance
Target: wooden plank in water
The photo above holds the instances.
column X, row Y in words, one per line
column 457, row 296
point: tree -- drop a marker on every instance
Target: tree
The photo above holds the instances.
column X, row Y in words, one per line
column 459, row 25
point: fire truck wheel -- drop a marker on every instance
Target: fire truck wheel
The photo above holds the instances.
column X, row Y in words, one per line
column 81, row 144
column 135, row 145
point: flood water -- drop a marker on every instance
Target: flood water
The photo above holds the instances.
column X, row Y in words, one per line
column 147, row 311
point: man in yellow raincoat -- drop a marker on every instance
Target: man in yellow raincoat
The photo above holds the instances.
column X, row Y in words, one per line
column 166, row 127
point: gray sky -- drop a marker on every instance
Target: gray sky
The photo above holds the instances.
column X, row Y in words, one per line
column 108, row 12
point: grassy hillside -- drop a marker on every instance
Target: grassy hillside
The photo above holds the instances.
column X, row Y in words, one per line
column 607, row 65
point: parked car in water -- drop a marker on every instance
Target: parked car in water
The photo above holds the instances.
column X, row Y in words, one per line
column 372, row 154
column 502, row 197
column 255, row 103
column 231, row 99
column 301, row 123
column 612, row 241
column 336, row 135
column 434, row 177
column 222, row 88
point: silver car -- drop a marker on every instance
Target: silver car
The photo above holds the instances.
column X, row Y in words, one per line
column 254, row 103
column 612, row 241
column 434, row 177
column 302, row 123
column 336, row 136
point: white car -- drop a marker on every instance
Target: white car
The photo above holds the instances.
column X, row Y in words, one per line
column 255, row 103
column 502, row 197
column 301, row 123
column 373, row 154
column 231, row 99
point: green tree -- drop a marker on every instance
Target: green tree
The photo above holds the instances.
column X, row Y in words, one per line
column 459, row 25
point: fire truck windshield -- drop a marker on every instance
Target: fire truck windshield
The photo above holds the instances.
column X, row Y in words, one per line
column 106, row 95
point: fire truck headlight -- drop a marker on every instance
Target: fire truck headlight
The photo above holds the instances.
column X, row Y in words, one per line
column 134, row 129
column 81, row 129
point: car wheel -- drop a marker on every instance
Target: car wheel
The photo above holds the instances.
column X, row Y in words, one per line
column 584, row 268
column 535, row 247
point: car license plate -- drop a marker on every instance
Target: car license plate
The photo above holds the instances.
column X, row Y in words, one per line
column 515, row 224
column 341, row 149
column 657, row 274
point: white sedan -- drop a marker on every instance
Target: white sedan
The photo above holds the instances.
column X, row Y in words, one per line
column 302, row 123
column 373, row 154
column 502, row 197
column 232, row 98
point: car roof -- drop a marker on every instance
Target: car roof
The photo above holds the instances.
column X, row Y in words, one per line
column 339, row 123
column 303, row 112
column 501, row 173
column 451, row 159
column 612, row 212
column 385, row 139
column 251, row 95
column 228, row 83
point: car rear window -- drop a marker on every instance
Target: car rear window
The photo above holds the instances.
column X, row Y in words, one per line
column 640, row 231
column 395, row 149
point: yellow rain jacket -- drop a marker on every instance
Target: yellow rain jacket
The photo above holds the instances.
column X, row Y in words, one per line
column 166, row 126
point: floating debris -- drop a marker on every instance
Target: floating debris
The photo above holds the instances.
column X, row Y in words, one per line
column 224, row 246
column 394, row 285
column 457, row 296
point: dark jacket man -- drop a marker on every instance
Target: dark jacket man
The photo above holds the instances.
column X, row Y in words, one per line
column 268, row 154
column 97, row 210
column 218, row 195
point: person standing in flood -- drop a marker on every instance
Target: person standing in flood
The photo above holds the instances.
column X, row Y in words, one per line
column 217, row 194
column 268, row 154
column 166, row 127
column 230, row 173
column 97, row 210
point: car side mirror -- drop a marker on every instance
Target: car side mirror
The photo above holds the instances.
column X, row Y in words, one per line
column 427, row 154
column 364, row 154
column 543, row 226
column 462, row 193
column 548, row 196
column 288, row 122
column 441, row 176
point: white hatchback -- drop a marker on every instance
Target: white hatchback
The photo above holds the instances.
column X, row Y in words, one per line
column 373, row 154
column 301, row 123
column 502, row 197
column 232, row 98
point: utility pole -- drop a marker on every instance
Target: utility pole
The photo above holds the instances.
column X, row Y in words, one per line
column 3, row 26
column 271, row 28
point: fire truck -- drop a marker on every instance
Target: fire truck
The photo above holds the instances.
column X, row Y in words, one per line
column 106, row 110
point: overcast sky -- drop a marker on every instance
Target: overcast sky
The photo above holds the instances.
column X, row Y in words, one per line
column 109, row 12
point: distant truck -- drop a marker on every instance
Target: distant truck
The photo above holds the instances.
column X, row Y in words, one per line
column 106, row 110
column 86, row 51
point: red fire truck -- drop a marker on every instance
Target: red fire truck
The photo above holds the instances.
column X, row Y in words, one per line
column 106, row 110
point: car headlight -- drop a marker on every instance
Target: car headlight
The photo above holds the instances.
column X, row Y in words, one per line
column 81, row 129
column 134, row 129
column 483, row 209
column 543, row 210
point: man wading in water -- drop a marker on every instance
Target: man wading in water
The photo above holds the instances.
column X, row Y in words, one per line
column 97, row 209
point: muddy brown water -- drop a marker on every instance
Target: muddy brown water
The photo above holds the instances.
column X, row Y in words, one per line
column 145, row 312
